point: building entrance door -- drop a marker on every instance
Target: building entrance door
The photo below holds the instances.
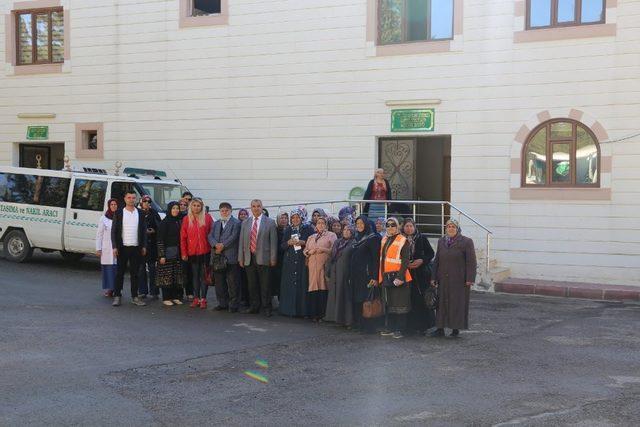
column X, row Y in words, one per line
column 419, row 168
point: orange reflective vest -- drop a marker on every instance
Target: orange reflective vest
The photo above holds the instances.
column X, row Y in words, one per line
column 392, row 261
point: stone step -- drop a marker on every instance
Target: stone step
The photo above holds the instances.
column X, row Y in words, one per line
column 595, row 291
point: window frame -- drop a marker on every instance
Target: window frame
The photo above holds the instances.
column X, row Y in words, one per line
column 34, row 34
column 405, row 23
column 554, row 16
column 192, row 8
column 573, row 141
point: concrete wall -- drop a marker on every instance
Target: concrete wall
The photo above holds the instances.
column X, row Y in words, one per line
column 285, row 102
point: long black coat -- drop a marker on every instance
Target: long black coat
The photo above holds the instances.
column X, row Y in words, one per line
column 365, row 263
column 452, row 267
column 420, row 317
column 152, row 221
column 294, row 281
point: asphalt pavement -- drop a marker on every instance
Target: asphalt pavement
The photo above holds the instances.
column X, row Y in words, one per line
column 68, row 358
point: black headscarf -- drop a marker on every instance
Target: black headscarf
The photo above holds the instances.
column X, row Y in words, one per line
column 368, row 228
column 170, row 217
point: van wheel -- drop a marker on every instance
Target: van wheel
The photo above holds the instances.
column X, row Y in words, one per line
column 17, row 247
column 71, row 256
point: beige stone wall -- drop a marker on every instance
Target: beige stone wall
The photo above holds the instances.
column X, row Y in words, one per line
column 286, row 100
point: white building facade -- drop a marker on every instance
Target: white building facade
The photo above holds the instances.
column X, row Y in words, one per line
column 535, row 106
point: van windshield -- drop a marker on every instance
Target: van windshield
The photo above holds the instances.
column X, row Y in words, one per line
column 162, row 193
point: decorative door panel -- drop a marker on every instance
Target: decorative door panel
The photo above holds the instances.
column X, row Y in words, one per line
column 398, row 159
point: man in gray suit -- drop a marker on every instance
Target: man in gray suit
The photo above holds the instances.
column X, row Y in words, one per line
column 258, row 252
column 224, row 238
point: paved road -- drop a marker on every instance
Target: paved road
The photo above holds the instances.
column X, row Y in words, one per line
column 68, row 358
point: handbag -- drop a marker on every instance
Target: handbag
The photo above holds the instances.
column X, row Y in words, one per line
column 218, row 263
column 171, row 252
column 372, row 307
column 430, row 297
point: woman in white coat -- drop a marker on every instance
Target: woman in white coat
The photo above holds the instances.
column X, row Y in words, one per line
column 104, row 248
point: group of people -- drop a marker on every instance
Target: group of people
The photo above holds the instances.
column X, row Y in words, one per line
column 321, row 268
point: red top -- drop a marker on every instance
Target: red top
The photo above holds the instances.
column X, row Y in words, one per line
column 193, row 237
column 379, row 191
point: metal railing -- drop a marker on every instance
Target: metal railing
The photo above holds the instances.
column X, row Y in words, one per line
column 430, row 216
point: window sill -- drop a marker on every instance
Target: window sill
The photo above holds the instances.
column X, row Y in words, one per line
column 188, row 21
column 28, row 70
column 414, row 48
column 90, row 154
column 563, row 33
column 204, row 21
column 571, row 193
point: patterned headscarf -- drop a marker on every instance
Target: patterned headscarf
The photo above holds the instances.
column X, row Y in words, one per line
column 341, row 244
column 345, row 212
column 450, row 240
column 298, row 212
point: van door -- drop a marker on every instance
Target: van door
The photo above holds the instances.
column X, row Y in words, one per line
column 86, row 206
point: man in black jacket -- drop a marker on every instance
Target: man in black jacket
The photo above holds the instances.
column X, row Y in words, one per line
column 129, row 240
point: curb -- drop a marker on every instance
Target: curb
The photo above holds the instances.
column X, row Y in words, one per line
column 592, row 291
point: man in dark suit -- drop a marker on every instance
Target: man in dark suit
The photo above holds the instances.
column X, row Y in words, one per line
column 258, row 252
column 224, row 238
column 129, row 240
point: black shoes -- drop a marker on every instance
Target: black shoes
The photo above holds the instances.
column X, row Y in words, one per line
column 250, row 311
column 267, row 312
column 454, row 333
column 220, row 308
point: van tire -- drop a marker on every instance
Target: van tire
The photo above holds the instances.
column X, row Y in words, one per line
column 71, row 256
column 17, row 247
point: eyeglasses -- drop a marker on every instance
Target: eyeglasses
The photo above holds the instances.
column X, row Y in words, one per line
column 391, row 225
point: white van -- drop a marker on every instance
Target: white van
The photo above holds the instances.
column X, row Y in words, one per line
column 59, row 210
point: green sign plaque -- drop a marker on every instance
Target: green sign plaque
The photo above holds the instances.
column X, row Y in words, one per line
column 37, row 132
column 422, row 120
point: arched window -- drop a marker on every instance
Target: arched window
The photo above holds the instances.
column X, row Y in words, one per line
column 561, row 153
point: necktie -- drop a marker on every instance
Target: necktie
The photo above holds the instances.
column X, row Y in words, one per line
column 254, row 236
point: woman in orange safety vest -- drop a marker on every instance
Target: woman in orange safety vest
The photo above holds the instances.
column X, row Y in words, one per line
column 395, row 279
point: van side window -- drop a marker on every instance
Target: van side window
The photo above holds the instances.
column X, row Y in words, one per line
column 54, row 191
column 89, row 195
column 17, row 188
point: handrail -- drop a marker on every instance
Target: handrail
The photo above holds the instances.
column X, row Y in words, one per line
column 442, row 215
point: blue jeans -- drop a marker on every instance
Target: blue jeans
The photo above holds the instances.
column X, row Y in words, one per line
column 147, row 274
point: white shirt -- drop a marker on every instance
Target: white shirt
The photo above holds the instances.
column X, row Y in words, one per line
column 130, row 227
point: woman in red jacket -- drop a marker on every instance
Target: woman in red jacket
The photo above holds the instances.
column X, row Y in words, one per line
column 195, row 248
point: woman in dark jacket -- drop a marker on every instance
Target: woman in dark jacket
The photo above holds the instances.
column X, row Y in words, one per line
column 339, row 302
column 421, row 318
column 365, row 262
column 454, row 271
column 147, row 284
column 378, row 188
column 294, row 282
column 169, row 276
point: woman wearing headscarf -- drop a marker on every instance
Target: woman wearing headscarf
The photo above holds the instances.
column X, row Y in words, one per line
column 377, row 189
column 454, row 272
column 294, row 281
column 421, row 317
column 148, row 280
column 276, row 273
column 317, row 213
column 395, row 279
column 365, row 262
column 169, row 276
column 104, row 249
column 380, row 226
column 339, row 299
column 335, row 226
column 195, row 247
column 318, row 251
column 346, row 213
